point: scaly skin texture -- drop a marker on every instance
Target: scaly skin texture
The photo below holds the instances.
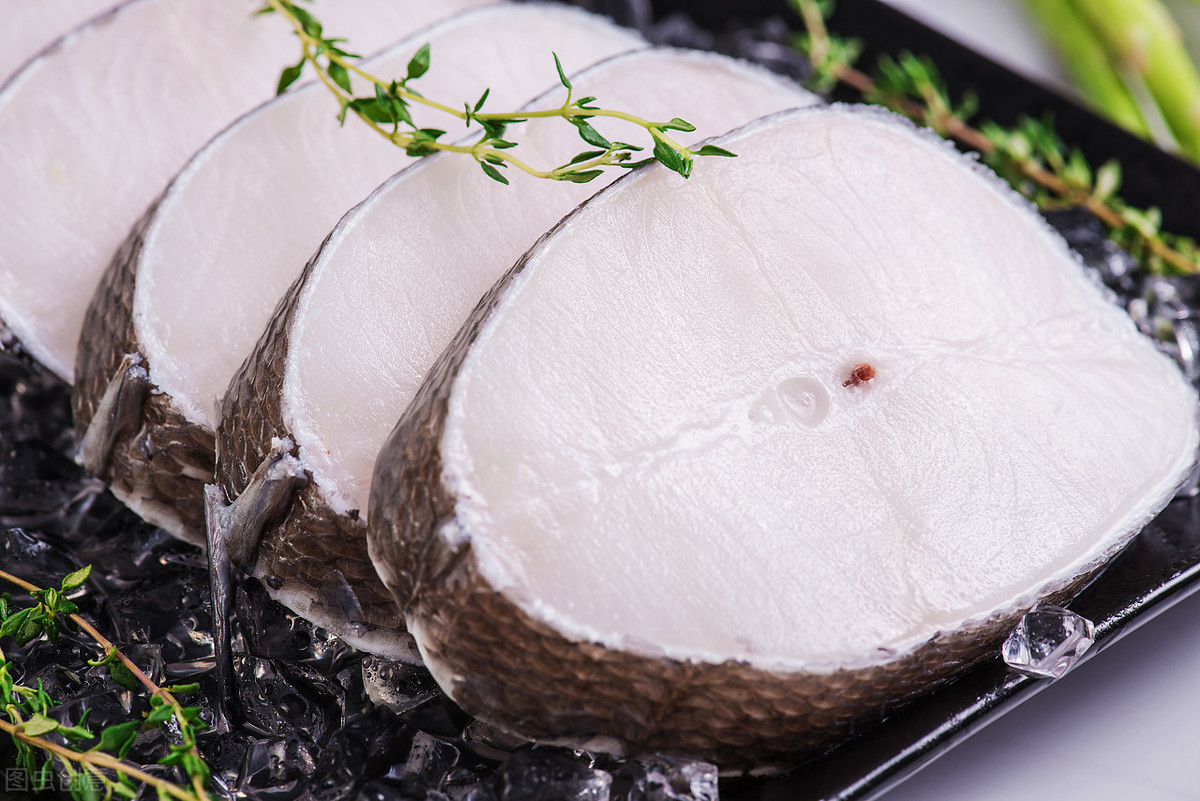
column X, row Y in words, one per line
column 312, row 543
column 519, row 673
column 159, row 468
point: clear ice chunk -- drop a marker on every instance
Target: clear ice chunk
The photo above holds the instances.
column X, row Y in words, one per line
column 429, row 760
column 665, row 778
column 1048, row 641
column 548, row 775
column 396, row 685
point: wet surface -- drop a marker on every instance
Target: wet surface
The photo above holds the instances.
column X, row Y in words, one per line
column 318, row 719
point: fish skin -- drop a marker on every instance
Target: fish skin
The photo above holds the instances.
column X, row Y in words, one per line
column 560, row 691
column 311, row 542
column 160, row 471
column 521, row 674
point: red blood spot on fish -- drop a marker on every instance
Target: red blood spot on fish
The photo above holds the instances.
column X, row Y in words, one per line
column 861, row 374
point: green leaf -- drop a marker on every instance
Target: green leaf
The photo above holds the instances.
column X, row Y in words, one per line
column 288, row 77
column 307, row 22
column 493, row 173
column 183, row 689
column 373, row 110
column 495, row 129
column 76, row 579
column 339, row 75
column 479, row 103
column 31, row 627
column 160, row 715
column 630, row 165
column 394, row 105
column 75, row 732
column 589, row 134
column 562, row 76
column 6, row 685
column 713, row 150
column 13, row 623
column 677, row 124
column 586, row 155
column 122, row 675
column 1108, row 179
column 582, row 177
column 86, row 786
column 118, row 739
column 45, row 775
column 418, row 65
column 584, row 102
column 38, row 725
column 668, row 156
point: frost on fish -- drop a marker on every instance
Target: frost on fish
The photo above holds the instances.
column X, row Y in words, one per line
column 349, row 346
column 754, row 457
column 91, row 131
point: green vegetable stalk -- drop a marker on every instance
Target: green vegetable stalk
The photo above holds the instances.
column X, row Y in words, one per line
column 1087, row 61
column 1143, row 37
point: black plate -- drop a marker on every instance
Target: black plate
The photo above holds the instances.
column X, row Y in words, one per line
column 1160, row 567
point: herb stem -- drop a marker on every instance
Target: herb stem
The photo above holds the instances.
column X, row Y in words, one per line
column 933, row 111
column 102, row 760
column 386, row 111
column 110, row 650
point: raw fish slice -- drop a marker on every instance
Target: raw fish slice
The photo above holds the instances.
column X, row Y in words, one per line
column 30, row 26
column 724, row 468
column 395, row 280
column 196, row 282
column 92, row 130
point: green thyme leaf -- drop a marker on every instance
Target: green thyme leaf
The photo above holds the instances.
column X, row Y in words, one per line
column 160, row 715
column 589, row 134
column 713, row 150
column 418, row 65
column 493, row 173
column 38, row 725
column 119, row 738
column 676, row 124
column 668, row 156
column 582, row 177
column 288, row 77
column 562, row 76
column 339, row 75
column 77, row 579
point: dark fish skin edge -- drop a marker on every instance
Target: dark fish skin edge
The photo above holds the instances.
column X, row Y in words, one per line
column 162, row 462
column 167, row 461
column 312, row 543
column 519, row 673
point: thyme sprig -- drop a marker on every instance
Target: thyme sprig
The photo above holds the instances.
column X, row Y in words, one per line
column 100, row 771
column 387, row 109
column 1030, row 156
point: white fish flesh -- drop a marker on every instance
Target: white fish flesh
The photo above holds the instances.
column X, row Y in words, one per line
column 29, row 27
column 91, row 132
column 254, row 205
column 437, row 236
column 751, row 458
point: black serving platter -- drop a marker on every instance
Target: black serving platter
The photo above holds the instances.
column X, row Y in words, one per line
column 1159, row 568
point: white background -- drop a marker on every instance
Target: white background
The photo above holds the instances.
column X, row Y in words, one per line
column 1126, row 725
